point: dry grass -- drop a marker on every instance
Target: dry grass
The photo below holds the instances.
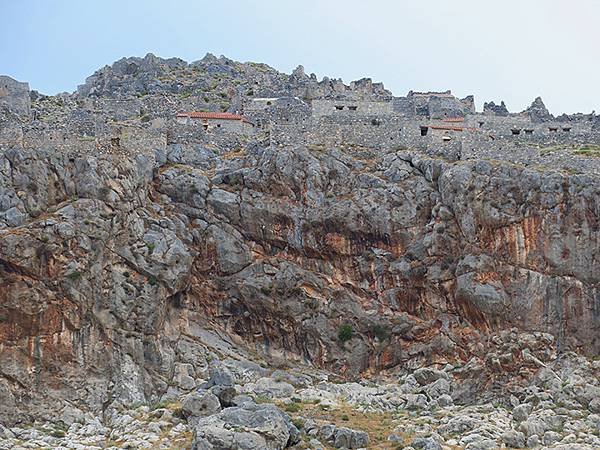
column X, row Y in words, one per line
column 590, row 150
column 234, row 154
column 378, row 425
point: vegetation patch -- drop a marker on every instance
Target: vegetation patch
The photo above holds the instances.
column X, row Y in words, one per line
column 345, row 332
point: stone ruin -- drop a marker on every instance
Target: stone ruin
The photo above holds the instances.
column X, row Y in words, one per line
column 144, row 96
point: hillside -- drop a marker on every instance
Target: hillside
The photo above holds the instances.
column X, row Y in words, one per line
column 309, row 270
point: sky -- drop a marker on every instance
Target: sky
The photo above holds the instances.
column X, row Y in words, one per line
column 511, row 50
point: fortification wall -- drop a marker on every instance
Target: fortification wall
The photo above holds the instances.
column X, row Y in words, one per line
column 346, row 107
column 504, row 125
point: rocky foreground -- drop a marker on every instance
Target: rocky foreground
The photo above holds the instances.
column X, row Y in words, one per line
column 237, row 404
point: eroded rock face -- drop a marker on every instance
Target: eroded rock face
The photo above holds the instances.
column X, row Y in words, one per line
column 112, row 268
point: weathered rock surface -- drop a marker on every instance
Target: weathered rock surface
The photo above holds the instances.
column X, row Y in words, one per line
column 107, row 259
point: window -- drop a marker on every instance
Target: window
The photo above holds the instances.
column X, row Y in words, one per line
column 528, row 131
column 375, row 122
column 552, row 129
column 567, row 129
column 515, row 131
column 352, row 108
column 268, row 103
column 481, row 124
column 339, row 107
column 424, row 131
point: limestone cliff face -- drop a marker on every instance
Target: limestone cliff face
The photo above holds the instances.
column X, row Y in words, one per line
column 113, row 268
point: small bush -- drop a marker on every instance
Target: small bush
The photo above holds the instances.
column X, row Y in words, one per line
column 380, row 332
column 345, row 332
column 292, row 407
column 345, row 417
column 152, row 280
column 75, row 275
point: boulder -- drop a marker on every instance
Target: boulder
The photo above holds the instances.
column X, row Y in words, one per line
column 426, row 375
column 521, row 412
column 249, row 427
column 513, row 438
column 200, row 404
column 425, row 443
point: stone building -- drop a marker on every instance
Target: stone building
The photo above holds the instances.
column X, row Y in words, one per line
column 216, row 120
column 276, row 110
column 438, row 105
column 14, row 95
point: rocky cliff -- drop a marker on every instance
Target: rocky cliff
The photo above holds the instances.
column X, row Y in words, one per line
column 123, row 277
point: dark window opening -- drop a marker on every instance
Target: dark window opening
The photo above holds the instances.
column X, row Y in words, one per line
column 567, row 129
column 115, row 142
column 375, row 122
column 424, row 131
column 515, row 132
column 446, row 138
column 552, row 129
column 268, row 103
column 352, row 108
column 339, row 108
column 528, row 131
column 481, row 124
column 218, row 125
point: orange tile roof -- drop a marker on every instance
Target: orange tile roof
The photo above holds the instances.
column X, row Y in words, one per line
column 210, row 115
column 454, row 119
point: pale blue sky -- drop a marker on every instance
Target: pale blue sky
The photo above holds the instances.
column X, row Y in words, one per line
column 513, row 50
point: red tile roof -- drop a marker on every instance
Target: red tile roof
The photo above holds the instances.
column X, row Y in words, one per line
column 210, row 115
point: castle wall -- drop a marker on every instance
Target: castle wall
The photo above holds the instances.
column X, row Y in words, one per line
column 346, row 107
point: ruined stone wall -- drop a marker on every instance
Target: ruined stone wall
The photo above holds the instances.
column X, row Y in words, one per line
column 331, row 107
column 282, row 110
column 502, row 126
column 14, row 95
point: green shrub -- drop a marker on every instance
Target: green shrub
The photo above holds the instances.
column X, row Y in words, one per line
column 345, row 332
column 75, row 275
column 380, row 332
column 292, row 407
